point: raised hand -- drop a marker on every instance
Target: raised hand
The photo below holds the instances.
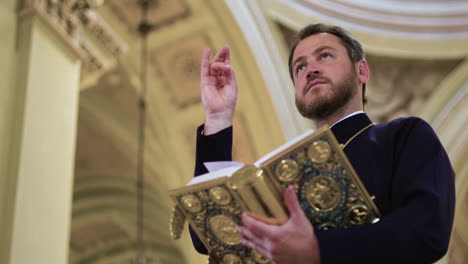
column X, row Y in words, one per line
column 218, row 90
column 291, row 242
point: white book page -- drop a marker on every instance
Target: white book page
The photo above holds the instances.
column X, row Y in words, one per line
column 214, row 175
column 212, row 166
column 283, row 147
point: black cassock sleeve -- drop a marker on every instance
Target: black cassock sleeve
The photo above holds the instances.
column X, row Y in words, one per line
column 422, row 200
column 215, row 147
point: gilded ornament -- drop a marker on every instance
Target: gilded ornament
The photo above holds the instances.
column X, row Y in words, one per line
column 326, row 226
column 220, row 195
column 322, row 193
column 191, row 203
column 259, row 258
column 231, row 259
column 177, row 222
column 224, row 228
column 287, row 170
column 358, row 214
column 319, row 152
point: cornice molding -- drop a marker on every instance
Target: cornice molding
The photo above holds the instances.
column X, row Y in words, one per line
column 82, row 29
column 58, row 17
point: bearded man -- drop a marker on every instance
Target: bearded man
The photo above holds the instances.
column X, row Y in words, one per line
column 402, row 163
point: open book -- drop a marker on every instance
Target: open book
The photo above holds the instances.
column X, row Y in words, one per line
column 328, row 189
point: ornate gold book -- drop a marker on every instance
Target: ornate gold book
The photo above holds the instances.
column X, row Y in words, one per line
column 329, row 190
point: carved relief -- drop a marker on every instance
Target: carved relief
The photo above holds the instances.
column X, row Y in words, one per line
column 69, row 19
column 102, row 32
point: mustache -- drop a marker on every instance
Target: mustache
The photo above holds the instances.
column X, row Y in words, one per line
column 307, row 86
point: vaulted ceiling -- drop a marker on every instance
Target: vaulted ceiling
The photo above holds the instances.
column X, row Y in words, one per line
column 402, row 81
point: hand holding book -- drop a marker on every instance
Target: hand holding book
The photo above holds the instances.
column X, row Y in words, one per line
column 329, row 192
column 291, row 242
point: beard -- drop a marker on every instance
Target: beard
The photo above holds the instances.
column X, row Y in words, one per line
column 323, row 106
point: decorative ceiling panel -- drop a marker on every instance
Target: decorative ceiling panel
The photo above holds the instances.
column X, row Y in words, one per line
column 179, row 64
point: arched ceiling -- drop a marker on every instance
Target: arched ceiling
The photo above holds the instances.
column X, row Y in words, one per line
column 409, row 64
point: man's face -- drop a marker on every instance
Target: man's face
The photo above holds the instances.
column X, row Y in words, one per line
column 324, row 76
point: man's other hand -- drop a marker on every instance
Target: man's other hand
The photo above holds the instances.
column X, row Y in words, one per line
column 291, row 242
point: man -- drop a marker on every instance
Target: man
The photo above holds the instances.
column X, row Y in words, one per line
column 401, row 163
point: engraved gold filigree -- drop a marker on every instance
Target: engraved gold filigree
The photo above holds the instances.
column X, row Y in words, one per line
column 220, row 195
column 177, row 222
column 287, row 170
column 358, row 214
column 224, row 228
column 322, row 193
column 191, row 203
column 319, row 152
column 231, row 259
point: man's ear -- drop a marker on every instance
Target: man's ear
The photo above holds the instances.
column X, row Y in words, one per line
column 362, row 71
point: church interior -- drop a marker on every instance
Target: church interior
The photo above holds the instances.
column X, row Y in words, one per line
column 74, row 74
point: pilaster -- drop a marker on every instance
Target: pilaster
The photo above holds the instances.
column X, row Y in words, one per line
column 59, row 44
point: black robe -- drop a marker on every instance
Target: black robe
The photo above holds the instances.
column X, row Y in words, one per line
column 403, row 164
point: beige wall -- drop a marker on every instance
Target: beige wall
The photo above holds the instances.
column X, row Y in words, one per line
column 7, row 118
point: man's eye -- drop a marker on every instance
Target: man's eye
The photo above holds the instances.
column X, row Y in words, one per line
column 325, row 55
column 299, row 68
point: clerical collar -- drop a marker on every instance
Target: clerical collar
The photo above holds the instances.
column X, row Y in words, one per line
column 350, row 115
column 349, row 126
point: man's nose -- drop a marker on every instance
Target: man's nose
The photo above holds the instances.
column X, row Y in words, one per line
column 313, row 73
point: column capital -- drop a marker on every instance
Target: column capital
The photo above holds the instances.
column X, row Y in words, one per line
column 82, row 29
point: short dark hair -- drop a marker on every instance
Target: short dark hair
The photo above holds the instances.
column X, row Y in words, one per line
column 353, row 47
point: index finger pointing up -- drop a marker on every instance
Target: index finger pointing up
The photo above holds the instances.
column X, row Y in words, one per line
column 205, row 63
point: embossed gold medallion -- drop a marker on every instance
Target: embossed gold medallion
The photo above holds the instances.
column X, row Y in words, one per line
column 287, row 170
column 191, row 203
column 224, row 228
column 220, row 195
column 322, row 193
column 319, row 152
column 259, row 258
column 358, row 214
column 231, row 259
